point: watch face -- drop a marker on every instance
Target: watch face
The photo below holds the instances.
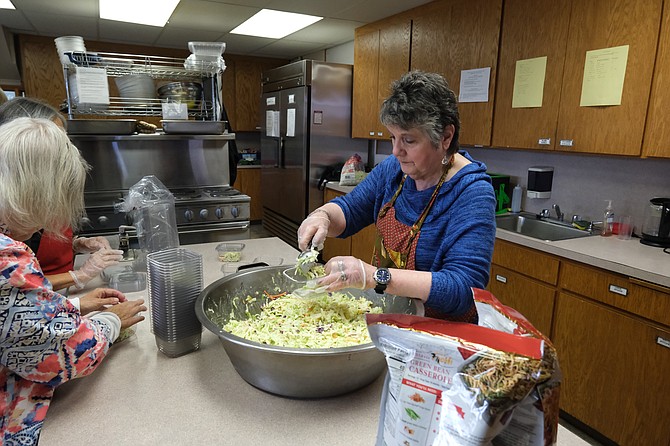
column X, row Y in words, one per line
column 382, row 276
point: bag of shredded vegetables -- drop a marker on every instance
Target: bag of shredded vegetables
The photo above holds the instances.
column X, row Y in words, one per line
column 353, row 171
column 452, row 383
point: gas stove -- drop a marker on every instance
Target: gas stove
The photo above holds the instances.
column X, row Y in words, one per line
column 203, row 213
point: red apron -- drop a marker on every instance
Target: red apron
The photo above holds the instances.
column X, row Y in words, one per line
column 55, row 255
column 395, row 246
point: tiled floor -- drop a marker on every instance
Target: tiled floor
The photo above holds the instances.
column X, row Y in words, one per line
column 568, row 435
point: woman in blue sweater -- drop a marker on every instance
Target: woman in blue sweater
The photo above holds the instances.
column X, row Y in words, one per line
column 433, row 207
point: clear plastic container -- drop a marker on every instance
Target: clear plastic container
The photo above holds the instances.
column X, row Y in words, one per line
column 128, row 281
column 207, row 48
column 230, row 252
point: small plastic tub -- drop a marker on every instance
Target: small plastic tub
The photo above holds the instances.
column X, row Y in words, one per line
column 128, row 281
column 230, row 252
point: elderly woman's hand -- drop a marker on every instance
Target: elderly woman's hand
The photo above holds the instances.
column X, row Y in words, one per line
column 314, row 229
column 128, row 312
column 345, row 272
column 100, row 299
column 90, row 244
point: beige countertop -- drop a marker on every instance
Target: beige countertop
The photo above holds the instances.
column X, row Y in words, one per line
column 139, row 396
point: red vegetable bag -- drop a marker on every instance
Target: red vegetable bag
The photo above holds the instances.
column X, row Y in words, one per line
column 452, row 383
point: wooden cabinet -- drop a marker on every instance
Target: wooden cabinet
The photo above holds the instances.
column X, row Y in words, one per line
column 657, row 131
column 449, row 36
column 359, row 245
column 533, row 30
column 248, row 74
column 381, row 55
column 525, row 280
column 615, row 371
column 249, row 182
column 611, row 332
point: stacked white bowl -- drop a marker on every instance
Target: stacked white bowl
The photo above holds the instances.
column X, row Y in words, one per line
column 137, row 86
column 65, row 44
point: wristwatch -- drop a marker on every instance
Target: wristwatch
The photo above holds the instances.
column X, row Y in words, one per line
column 382, row 276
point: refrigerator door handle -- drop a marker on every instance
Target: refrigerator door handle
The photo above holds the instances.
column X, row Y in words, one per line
column 282, row 153
column 277, row 153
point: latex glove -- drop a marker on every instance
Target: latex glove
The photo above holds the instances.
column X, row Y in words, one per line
column 95, row 263
column 344, row 272
column 99, row 299
column 90, row 244
column 313, row 229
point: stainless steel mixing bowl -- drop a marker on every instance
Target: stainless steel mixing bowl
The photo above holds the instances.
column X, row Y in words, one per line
column 291, row 372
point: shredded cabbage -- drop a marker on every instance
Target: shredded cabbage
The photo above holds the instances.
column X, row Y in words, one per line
column 319, row 321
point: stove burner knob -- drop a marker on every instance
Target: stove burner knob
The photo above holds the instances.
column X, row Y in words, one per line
column 219, row 213
column 235, row 211
column 85, row 221
column 204, row 213
column 103, row 220
column 188, row 215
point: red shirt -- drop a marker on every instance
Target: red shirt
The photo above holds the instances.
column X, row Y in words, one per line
column 56, row 256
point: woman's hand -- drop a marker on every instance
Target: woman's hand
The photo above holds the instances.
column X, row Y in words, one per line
column 128, row 312
column 314, row 229
column 99, row 299
column 90, row 244
column 95, row 263
column 345, row 272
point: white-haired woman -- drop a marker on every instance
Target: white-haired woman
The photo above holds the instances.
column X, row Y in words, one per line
column 44, row 340
column 56, row 254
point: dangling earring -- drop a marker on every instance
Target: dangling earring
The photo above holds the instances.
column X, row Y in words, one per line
column 448, row 160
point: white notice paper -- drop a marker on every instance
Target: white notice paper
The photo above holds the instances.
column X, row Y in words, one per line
column 290, row 122
column 475, row 85
column 92, row 86
column 271, row 123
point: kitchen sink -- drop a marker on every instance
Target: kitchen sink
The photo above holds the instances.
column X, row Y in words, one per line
column 528, row 224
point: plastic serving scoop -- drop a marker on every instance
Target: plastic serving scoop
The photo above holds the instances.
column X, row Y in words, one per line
column 306, row 260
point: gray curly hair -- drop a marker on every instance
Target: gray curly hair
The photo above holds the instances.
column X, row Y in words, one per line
column 424, row 101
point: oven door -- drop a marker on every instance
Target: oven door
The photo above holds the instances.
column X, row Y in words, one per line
column 213, row 232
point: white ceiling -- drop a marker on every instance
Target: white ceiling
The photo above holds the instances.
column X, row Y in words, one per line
column 206, row 20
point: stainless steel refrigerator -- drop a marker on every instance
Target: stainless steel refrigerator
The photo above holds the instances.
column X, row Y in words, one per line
column 306, row 128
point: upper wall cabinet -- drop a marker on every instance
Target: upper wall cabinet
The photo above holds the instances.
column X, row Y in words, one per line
column 530, row 29
column 534, row 29
column 657, row 134
column 381, row 55
column 452, row 35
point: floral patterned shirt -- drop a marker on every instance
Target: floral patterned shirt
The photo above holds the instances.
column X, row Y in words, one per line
column 44, row 341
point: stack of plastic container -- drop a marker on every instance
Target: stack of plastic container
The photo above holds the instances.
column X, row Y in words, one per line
column 175, row 281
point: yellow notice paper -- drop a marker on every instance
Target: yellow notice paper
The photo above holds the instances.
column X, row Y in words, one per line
column 604, row 72
column 529, row 82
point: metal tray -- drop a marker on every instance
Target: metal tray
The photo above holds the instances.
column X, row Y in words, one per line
column 183, row 126
column 101, row 126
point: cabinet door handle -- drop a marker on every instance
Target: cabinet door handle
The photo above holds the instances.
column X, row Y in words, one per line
column 566, row 142
column 544, row 141
column 501, row 279
column 662, row 341
column 618, row 290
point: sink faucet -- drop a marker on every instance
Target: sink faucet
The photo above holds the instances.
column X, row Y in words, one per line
column 559, row 214
column 124, row 242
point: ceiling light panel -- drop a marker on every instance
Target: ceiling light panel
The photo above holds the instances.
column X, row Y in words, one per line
column 144, row 12
column 6, row 4
column 274, row 24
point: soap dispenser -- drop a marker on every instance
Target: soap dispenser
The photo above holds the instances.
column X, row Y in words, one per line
column 608, row 220
column 516, row 199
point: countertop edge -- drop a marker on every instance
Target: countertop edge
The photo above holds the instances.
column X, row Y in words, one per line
column 569, row 252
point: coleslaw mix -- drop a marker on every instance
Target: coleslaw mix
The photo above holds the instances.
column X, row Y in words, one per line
column 450, row 383
column 322, row 320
